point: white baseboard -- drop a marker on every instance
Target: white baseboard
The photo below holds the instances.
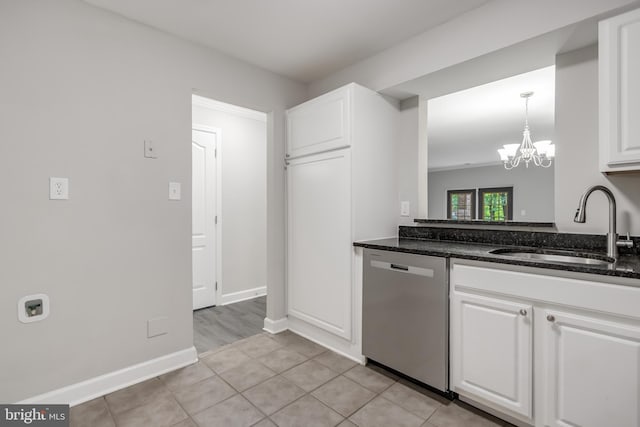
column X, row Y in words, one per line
column 92, row 388
column 276, row 326
column 242, row 295
column 348, row 349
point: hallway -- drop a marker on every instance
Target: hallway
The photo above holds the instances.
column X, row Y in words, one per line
column 215, row 327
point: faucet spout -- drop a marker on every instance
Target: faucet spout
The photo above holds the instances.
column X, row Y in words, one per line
column 581, row 217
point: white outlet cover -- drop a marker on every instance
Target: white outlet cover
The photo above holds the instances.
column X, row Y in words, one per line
column 405, row 208
column 174, row 191
column 58, row 188
column 22, row 312
column 150, row 149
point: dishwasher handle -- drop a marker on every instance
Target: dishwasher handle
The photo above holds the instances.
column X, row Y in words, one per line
column 400, row 268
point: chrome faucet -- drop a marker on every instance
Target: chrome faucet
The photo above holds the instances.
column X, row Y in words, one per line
column 612, row 236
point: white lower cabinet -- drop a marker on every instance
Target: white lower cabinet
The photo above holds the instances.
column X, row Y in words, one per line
column 492, row 351
column 545, row 350
column 592, row 370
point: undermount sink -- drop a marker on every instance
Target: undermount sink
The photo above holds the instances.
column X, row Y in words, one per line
column 555, row 256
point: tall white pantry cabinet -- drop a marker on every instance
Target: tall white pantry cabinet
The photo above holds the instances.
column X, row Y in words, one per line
column 341, row 187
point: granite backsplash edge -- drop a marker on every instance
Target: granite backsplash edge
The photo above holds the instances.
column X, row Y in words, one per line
column 551, row 240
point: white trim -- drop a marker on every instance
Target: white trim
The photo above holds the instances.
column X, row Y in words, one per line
column 275, row 326
column 242, row 295
column 92, row 388
column 228, row 108
column 466, row 166
column 327, row 340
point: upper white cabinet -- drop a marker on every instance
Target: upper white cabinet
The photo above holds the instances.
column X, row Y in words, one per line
column 341, row 187
column 619, row 73
column 322, row 124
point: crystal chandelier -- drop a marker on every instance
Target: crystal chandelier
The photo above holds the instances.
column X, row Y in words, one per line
column 540, row 153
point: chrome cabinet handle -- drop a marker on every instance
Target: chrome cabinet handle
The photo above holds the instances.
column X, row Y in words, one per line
column 551, row 318
column 523, row 312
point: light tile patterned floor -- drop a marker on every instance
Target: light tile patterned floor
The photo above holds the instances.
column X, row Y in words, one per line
column 276, row 380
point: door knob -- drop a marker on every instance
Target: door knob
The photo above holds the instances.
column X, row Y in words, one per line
column 523, row 312
column 551, row 318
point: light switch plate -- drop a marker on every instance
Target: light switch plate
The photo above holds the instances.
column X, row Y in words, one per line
column 58, row 188
column 150, row 150
column 405, row 208
column 174, row 191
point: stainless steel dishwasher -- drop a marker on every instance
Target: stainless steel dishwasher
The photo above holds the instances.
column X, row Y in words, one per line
column 405, row 315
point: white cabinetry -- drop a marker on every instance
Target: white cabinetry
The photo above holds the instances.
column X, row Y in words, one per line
column 544, row 349
column 320, row 124
column 340, row 187
column 592, row 368
column 619, row 74
column 319, row 212
column 492, row 350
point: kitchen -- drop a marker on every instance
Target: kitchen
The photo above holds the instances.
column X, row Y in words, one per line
column 90, row 72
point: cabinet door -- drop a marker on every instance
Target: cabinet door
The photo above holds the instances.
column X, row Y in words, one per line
column 592, row 371
column 491, row 352
column 319, row 240
column 619, row 74
column 321, row 124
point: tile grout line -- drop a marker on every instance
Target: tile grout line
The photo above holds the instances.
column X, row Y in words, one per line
column 178, row 401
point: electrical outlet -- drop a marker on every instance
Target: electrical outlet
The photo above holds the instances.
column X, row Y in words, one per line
column 405, row 209
column 150, row 150
column 174, row 191
column 58, row 188
column 33, row 308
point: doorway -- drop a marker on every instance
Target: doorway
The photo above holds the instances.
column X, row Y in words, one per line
column 229, row 155
column 204, row 192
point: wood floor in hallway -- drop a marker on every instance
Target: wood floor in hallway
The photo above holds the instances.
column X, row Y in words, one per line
column 215, row 327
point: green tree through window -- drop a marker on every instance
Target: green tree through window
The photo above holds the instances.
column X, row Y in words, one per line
column 461, row 204
column 496, row 204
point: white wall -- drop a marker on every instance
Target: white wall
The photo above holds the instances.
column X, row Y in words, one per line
column 81, row 89
column 491, row 27
column 242, row 148
column 532, row 189
column 577, row 151
column 407, row 160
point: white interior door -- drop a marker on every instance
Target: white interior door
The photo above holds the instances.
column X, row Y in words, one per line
column 203, row 152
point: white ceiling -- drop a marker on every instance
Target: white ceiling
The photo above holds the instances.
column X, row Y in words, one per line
column 301, row 39
column 466, row 128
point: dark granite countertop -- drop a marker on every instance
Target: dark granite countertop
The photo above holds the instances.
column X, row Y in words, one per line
column 627, row 266
column 478, row 222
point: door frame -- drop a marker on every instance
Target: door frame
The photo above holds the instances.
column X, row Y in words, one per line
column 218, row 210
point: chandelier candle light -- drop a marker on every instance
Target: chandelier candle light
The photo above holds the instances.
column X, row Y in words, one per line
column 540, row 153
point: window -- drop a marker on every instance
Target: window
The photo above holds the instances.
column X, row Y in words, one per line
column 496, row 204
column 461, row 204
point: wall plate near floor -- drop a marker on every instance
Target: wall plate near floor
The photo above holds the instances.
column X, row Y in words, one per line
column 33, row 308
